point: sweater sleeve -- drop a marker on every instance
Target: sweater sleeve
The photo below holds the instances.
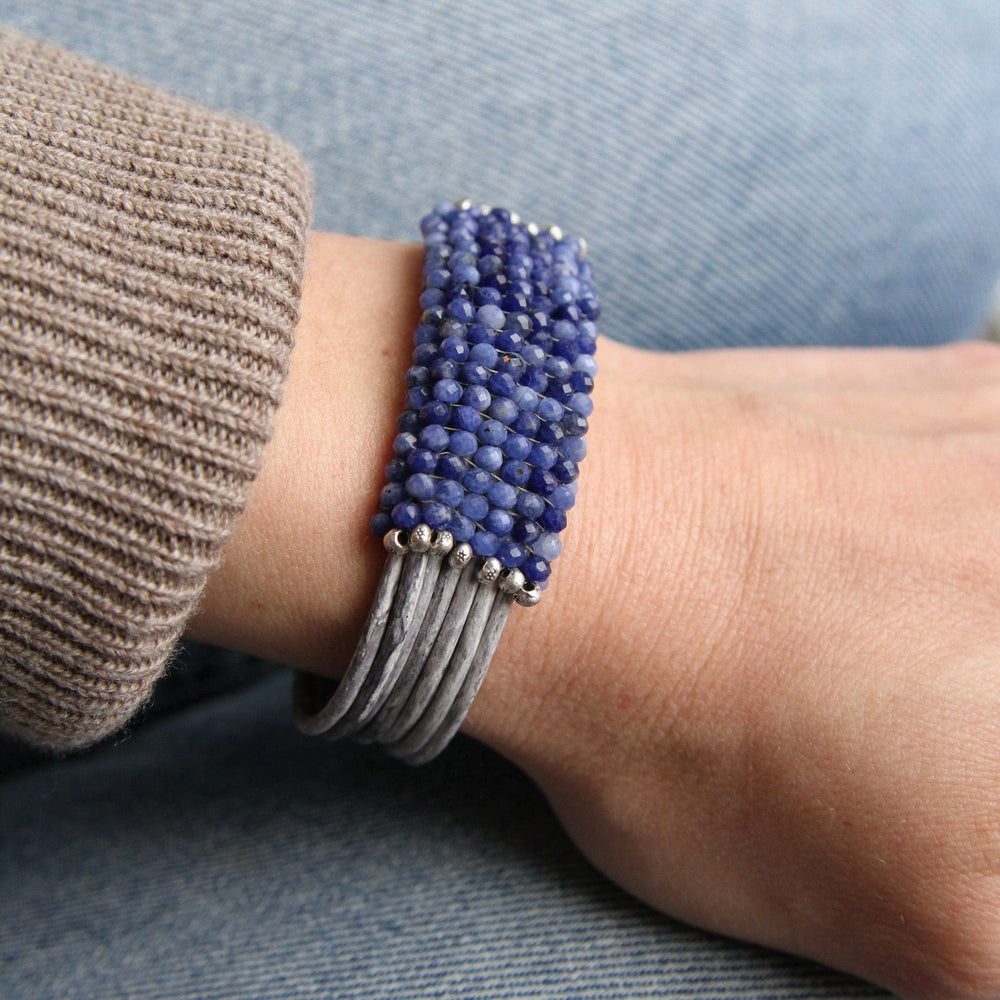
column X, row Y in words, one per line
column 151, row 256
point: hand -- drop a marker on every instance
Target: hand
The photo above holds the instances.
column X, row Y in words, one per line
column 762, row 690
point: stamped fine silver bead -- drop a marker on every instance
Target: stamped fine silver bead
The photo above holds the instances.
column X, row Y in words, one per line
column 420, row 538
column 490, row 570
column 396, row 541
column 441, row 543
column 461, row 555
column 511, row 581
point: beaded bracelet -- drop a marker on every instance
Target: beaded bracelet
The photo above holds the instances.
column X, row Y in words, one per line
column 484, row 470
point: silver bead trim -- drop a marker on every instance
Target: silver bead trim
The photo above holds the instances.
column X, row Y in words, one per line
column 461, row 555
column 490, row 570
column 442, row 543
column 511, row 581
column 397, row 541
column 423, row 538
column 420, row 538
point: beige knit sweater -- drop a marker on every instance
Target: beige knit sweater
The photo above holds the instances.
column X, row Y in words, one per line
column 150, row 262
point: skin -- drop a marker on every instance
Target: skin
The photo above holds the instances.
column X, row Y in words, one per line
column 761, row 692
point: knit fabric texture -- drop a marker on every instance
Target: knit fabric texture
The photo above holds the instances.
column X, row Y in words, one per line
column 151, row 257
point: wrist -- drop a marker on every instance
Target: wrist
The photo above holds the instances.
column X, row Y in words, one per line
column 298, row 573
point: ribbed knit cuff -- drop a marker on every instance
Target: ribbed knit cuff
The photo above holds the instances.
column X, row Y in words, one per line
column 151, row 257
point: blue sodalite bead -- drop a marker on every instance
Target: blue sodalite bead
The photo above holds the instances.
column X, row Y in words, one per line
column 435, row 412
column 477, row 480
column 504, row 410
column 535, row 379
column 510, row 553
column 474, row 373
column 498, row 521
column 437, row 277
column 567, row 350
column 530, row 505
column 549, row 409
column 431, row 297
column 452, row 466
column 488, row 296
column 406, row 514
column 436, row 515
column 392, row 494
column 502, row 495
column 533, row 355
column 485, row 354
column 548, row 546
column 492, row 432
column 466, row 418
column 408, row 422
column 448, row 492
column 517, row 446
column 485, row 543
column 461, row 528
column 574, row 448
column 527, row 424
column 421, row 460
column 474, row 506
column 442, row 368
column 501, row 384
column 557, row 367
column 417, row 375
column 542, row 482
column 565, row 470
column 420, row 486
column 515, row 472
column 562, row 497
column 488, row 457
column 498, row 394
column 465, row 274
column 380, row 524
column 552, row 433
column 543, row 456
column 562, row 392
column 463, row 443
column 477, row 396
column 526, row 532
column 447, row 390
column 524, row 398
column 433, row 437
column 553, row 519
column 403, row 445
column 491, row 315
column 418, row 396
column 490, row 263
column 535, row 568
column 455, row 348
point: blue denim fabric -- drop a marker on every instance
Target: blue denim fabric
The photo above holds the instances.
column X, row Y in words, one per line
column 772, row 171
column 216, row 853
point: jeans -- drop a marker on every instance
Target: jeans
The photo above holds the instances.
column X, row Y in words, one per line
column 765, row 172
